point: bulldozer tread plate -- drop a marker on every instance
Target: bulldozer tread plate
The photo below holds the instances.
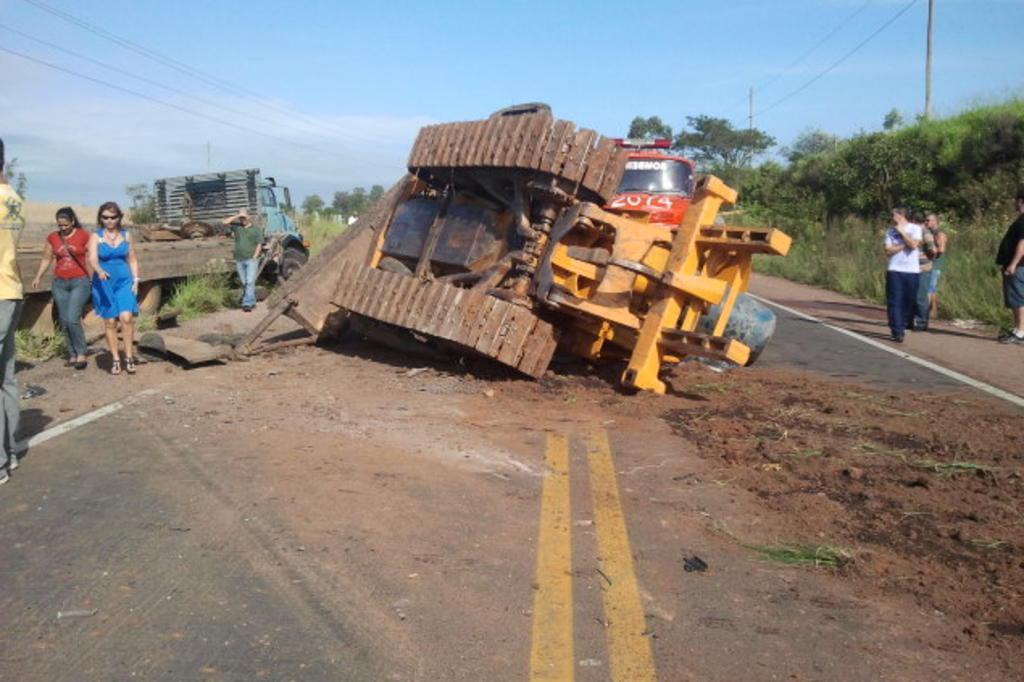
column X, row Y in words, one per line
column 480, row 323
column 534, row 142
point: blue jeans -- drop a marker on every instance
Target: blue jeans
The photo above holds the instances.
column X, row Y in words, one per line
column 900, row 295
column 70, row 296
column 923, row 306
column 10, row 410
column 247, row 275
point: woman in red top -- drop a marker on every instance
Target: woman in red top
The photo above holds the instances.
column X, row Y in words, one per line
column 71, row 286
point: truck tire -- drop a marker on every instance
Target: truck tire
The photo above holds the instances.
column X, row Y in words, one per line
column 292, row 259
column 751, row 323
column 389, row 264
column 150, row 295
column 196, row 230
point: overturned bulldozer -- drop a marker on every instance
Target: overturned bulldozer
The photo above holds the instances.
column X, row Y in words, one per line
column 496, row 243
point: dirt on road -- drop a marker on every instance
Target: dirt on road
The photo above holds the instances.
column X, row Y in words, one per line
column 917, row 497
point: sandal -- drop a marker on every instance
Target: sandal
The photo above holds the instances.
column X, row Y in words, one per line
column 129, row 365
column 115, row 367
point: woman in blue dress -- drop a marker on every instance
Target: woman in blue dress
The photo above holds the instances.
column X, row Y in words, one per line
column 115, row 283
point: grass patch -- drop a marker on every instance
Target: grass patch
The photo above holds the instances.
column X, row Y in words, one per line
column 319, row 232
column 799, row 554
column 145, row 323
column 794, row 553
column 873, row 449
column 31, row 347
column 987, row 543
column 913, row 515
column 952, row 468
column 201, row 294
column 849, row 260
column 803, row 454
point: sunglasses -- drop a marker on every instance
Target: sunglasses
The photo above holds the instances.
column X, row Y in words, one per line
column 110, row 217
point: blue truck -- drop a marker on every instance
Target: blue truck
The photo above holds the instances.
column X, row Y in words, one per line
column 193, row 206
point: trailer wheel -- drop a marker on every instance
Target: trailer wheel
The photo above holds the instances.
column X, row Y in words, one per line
column 150, row 295
column 291, row 261
column 196, row 230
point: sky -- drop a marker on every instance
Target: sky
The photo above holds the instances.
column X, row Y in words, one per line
column 326, row 95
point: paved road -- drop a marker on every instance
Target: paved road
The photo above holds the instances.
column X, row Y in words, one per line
column 384, row 541
column 972, row 352
column 806, row 345
column 185, row 582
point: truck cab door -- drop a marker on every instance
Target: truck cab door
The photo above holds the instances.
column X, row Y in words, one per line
column 276, row 220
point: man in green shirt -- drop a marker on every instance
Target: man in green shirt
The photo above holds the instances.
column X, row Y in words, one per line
column 248, row 244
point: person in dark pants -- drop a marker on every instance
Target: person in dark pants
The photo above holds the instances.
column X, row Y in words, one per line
column 68, row 245
column 1010, row 260
column 903, row 272
column 11, row 299
column 926, row 255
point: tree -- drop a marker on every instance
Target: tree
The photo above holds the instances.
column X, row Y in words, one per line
column 17, row 180
column 714, row 142
column 376, row 192
column 649, row 127
column 892, row 120
column 312, row 204
column 811, row 142
column 351, row 203
column 359, row 201
column 340, row 202
column 143, row 209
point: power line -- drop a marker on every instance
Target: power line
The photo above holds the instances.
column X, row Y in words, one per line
column 192, row 72
column 836, row 29
column 842, row 59
column 161, row 102
column 828, row 36
column 143, row 79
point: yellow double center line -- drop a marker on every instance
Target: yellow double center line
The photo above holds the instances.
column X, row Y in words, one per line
column 552, row 651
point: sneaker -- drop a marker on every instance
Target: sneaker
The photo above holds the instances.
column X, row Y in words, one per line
column 12, row 462
column 4, row 476
column 897, row 339
column 1012, row 338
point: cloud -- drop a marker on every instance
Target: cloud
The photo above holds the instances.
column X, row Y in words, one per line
column 83, row 143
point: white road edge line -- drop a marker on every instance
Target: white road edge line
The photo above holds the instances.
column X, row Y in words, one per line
column 80, row 420
column 952, row 374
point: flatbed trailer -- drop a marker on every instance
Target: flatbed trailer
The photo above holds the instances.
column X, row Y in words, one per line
column 160, row 262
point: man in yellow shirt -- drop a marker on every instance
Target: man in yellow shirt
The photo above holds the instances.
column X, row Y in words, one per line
column 11, row 296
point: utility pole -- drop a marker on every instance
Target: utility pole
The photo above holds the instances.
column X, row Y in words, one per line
column 207, row 156
column 928, row 63
column 750, row 115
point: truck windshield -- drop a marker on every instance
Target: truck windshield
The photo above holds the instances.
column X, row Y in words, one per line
column 657, row 175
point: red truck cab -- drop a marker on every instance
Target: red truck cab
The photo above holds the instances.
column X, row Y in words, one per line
column 657, row 185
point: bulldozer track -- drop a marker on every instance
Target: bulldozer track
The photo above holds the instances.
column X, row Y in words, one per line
column 503, row 331
column 536, row 142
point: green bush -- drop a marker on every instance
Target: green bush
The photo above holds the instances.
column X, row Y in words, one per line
column 965, row 167
column 201, row 294
column 849, row 259
column 835, row 203
column 319, row 232
column 32, row 347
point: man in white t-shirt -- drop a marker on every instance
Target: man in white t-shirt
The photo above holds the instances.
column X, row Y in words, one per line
column 901, row 278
